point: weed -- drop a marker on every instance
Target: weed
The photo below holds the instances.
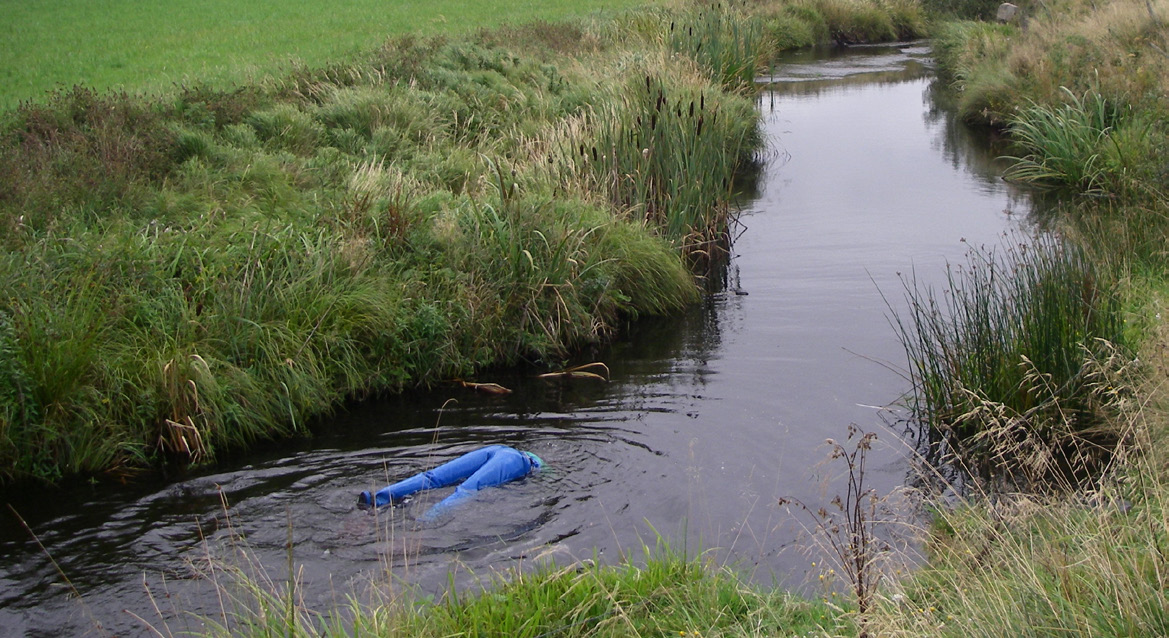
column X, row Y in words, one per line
column 854, row 530
column 81, row 152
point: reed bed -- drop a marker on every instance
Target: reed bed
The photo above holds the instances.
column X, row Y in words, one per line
column 1017, row 363
column 728, row 45
column 669, row 154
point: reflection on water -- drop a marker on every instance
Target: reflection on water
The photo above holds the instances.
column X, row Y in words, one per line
column 709, row 418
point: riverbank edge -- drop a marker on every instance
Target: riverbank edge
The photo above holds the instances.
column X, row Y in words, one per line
column 199, row 271
column 1081, row 562
column 1083, row 559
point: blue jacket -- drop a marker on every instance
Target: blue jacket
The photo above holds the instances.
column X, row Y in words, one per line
column 485, row 467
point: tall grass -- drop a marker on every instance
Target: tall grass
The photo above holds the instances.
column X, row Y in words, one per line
column 663, row 593
column 859, row 21
column 1089, row 143
column 1082, row 86
column 201, row 269
column 1064, row 144
column 1084, row 562
column 728, row 45
column 669, row 152
column 1017, row 356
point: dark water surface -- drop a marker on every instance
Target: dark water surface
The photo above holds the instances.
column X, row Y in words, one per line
column 709, row 418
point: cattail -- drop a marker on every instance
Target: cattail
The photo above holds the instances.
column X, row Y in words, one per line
column 700, row 119
column 701, row 101
column 594, row 153
column 647, row 86
column 653, row 122
column 692, row 109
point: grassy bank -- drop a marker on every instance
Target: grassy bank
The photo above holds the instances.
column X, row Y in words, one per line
column 1081, row 553
column 1080, row 88
column 215, row 267
column 211, row 266
column 1087, row 559
column 662, row 593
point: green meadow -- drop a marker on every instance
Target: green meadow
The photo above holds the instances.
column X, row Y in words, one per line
column 153, row 45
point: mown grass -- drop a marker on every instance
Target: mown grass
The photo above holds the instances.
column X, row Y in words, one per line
column 153, row 46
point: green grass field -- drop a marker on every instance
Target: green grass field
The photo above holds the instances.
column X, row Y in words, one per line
column 152, row 45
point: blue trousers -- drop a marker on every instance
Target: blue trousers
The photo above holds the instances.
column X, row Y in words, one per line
column 485, row 467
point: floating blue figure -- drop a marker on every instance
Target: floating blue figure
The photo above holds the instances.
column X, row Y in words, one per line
column 485, row 467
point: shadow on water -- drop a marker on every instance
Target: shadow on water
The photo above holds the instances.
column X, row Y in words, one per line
column 708, row 419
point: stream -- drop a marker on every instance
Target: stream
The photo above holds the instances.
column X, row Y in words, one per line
column 708, row 419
